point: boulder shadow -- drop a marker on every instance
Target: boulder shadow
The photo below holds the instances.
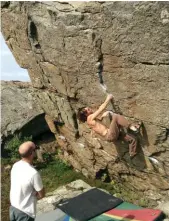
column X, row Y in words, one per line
column 138, row 161
column 144, row 136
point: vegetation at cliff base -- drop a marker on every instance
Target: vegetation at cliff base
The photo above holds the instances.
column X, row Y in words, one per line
column 55, row 173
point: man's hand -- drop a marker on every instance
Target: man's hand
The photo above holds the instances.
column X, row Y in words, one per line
column 40, row 194
column 109, row 97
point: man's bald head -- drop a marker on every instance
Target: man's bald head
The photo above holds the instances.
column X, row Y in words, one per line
column 25, row 149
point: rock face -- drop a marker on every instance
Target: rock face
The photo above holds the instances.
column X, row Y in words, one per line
column 20, row 113
column 64, row 46
column 165, row 208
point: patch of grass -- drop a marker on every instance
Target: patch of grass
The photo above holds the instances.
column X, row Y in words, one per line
column 131, row 195
column 58, row 173
column 5, row 161
column 12, row 146
column 5, row 188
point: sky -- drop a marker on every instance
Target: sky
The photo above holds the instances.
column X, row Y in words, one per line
column 10, row 70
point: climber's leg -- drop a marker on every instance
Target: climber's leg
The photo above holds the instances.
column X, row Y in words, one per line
column 132, row 140
column 113, row 131
column 123, row 122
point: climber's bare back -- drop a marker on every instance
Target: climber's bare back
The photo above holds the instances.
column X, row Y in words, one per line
column 96, row 126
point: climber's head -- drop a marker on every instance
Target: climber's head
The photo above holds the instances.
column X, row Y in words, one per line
column 84, row 113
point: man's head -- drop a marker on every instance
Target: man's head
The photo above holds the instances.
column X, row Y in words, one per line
column 27, row 150
column 84, row 113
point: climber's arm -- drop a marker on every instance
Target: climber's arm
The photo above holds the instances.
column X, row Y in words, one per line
column 101, row 108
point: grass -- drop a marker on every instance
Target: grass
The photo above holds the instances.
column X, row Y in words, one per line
column 56, row 173
column 5, row 187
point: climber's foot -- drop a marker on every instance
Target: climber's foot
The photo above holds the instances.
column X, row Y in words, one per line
column 135, row 127
column 132, row 155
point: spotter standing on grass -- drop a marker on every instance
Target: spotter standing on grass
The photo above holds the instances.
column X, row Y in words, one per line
column 26, row 185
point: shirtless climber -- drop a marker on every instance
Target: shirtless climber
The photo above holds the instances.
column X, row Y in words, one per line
column 118, row 122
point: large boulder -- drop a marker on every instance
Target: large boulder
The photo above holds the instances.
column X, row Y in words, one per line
column 20, row 111
column 64, row 45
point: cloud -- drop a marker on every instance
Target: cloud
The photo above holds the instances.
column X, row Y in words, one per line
column 10, row 70
column 5, row 53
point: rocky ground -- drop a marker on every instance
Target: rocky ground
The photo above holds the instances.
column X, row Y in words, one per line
column 20, row 111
